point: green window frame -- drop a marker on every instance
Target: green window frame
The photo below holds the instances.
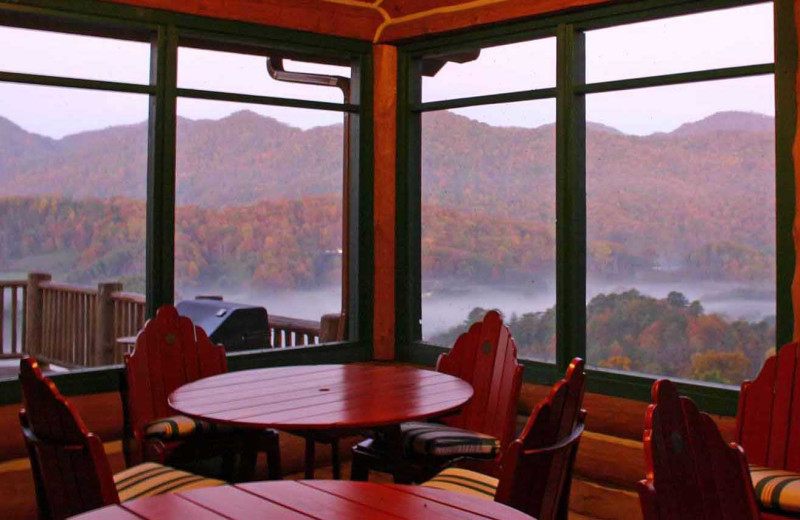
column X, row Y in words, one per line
column 570, row 92
column 164, row 31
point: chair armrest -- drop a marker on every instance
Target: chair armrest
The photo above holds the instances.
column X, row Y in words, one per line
column 560, row 445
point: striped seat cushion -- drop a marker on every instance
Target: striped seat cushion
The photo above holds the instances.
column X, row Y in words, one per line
column 150, row 479
column 465, row 481
column 441, row 440
column 776, row 489
column 179, row 427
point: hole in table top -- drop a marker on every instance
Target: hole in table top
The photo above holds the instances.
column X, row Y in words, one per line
column 324, row 389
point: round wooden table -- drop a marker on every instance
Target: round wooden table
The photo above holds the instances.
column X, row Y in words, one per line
column 322, row 397
column 309, row 500
column 322, row 402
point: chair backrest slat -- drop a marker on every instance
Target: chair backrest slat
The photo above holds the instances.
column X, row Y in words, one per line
column 537, row 466
column 782, row 404
column 769, row 412
column 169, row 352
column 691, row 471
column 486, row 357
column 70, row 468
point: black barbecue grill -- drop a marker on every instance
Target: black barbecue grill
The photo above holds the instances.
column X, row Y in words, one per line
column 237, row 326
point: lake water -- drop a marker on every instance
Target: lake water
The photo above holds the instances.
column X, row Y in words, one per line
column 449, row 304
column 445, row 308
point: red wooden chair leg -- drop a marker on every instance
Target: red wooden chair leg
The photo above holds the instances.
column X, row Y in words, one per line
column 359, row 466
column 249, row 456
column 271, row 446
column 310, row 445
column 337, row 470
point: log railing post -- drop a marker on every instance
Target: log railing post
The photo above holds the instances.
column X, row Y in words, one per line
column 329, row 328
column 33, row 312
column 105, row 339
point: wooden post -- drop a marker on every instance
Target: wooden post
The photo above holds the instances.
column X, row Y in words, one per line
column 104, row 340
column 385, row 121
column 329, row 328
column 33, row 312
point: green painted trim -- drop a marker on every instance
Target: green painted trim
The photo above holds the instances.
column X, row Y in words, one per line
column 677, row 79
column 265, row 100
column 423, row 354
column 107, row 379
column 408, row 219
column 493, row 99
column 88, row 84
column 786, row 64
column 162, row 141
column 570, row 198
column 361, row 218
column 709, row 397
column 340, row 352
column 94, row 11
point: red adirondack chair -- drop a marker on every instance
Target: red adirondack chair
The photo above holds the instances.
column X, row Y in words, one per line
column 692, row 473
column 70, row 469
column 536, row 469
column 171, row 351
column 768, row 428
column 486, row 357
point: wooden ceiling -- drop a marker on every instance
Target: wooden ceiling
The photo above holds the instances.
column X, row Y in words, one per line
column 379, row 21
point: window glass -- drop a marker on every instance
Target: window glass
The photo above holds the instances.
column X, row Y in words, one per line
column 259, row 209
column 712, row 40
column 681, row 229
column 246, row 74
column 68, row 55
column 505, row 68
column 488, row 222
column 73, row 178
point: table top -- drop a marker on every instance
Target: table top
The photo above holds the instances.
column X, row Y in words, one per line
column 322, row 396
column 309, row 500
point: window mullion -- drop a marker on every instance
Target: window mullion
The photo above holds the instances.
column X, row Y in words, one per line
column 160, row 278
column 570, row 197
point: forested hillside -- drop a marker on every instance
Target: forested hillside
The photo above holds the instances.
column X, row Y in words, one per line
column 489, row 190
column 259, row 207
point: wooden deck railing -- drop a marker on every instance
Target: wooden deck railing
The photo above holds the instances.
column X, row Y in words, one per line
column 12, row 317
column 129, row 318
column 68, row 324
column 75, row 326
column 292, row 332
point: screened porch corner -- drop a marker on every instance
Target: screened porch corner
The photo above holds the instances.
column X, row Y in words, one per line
column 337, row 241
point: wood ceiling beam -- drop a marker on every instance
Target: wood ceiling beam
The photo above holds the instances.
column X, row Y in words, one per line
column 348, row 19
column 470, row 14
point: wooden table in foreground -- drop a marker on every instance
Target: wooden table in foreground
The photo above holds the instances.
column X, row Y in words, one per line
column 323, row 401
column 309, row 500
column 320, row 397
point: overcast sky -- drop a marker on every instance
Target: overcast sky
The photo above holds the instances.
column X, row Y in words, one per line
column 740, row 36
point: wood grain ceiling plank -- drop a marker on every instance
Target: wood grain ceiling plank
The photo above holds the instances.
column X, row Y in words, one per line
column 347, row 20
column 471, row 14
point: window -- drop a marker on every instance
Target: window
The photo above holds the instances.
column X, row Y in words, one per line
column 488, row 202
column 94, row 164
column 676, row 150
column 259, row 208
column 73, row 174
column 691, row 293
column 260, row 189
column 681, row 200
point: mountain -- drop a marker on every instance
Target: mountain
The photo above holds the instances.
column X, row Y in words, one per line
column 705, row 180
column 727, row 122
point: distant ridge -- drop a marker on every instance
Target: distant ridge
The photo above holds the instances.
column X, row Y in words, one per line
column 728, row 122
